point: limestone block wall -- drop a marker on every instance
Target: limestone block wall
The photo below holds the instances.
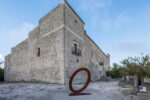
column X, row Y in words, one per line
column 74, row 32
column 16, row 66
column 73, row 21
column 7, row 67
column 49, row 67
column 72, row 62
column 90, row 58
column 91, row 55
column 52, row 20
column 24, row 64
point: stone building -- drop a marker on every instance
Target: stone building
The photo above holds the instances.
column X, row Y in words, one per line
column 56, row 48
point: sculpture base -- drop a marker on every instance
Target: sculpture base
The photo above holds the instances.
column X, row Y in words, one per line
column 76, row 94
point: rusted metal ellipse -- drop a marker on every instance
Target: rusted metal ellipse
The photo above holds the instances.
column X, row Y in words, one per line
column 84, row 87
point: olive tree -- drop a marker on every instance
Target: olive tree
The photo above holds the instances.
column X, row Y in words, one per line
column 139, row 67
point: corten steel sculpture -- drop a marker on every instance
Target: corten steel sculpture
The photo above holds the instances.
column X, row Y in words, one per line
column 78, row 92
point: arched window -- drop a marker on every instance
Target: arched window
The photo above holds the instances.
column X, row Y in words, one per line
column 75, row 47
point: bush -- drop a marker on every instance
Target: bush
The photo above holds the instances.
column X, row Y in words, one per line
column 114, row 73
column 1, row 74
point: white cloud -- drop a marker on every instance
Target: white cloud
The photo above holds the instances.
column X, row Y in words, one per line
column 131, row 47
column 116, row 23
column 125, row 49
column 1, row 57
column 99, row 15
column 127, row 33
column 17, row 35
column 92, row 5
column 21, row 32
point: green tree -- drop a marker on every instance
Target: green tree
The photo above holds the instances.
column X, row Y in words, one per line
column 115, row 71
column 139, row 67
column 123, row 72
column 1, row 73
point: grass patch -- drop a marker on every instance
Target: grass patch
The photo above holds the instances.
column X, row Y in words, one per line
column 147, row 85
column 126, row 84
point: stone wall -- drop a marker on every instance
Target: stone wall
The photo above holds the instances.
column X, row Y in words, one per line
column 23, row 64
column 94, row 56
column 52, row 20
column 49, row 67
column 7, row 67
column 91, row 55
column 17, row 62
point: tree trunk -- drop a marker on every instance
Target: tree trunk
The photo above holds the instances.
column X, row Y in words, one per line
column 124, row 78
column 135, row 81
column 139, row 84
column 142, row 81
column 138, row 88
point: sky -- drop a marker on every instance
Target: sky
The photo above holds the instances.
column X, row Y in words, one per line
column 119, row 27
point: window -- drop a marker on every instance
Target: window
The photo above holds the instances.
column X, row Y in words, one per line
column 75, row 21
column 38, row 52
column 75, row 47
column 101, row 63
column 77, row 60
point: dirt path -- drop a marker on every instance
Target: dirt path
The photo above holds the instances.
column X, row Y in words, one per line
column 33, row 91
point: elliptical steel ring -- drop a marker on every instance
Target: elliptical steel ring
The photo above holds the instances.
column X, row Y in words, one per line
column 84, row 87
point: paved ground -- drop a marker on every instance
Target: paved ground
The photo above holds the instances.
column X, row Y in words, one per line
column 39, row 91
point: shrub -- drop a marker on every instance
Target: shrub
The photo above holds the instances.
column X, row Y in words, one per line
column 1, row 74
column 114, row 73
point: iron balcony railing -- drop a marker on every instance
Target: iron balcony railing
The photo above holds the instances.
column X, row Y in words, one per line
column 76, row 51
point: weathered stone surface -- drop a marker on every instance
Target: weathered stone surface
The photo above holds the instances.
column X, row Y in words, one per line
column 55, row 37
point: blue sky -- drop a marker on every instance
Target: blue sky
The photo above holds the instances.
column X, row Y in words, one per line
column 119, row 27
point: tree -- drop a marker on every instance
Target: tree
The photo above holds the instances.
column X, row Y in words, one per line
column 139, row 67
column 1, row 73
column 123, row 72
column 115, row 72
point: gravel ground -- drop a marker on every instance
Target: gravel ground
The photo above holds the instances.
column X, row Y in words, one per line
column 41, row 91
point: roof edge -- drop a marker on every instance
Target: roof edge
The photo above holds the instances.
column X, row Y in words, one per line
column 65, row 1
column 94, row 43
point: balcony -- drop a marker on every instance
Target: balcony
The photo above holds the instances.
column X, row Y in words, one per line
column 76, row 51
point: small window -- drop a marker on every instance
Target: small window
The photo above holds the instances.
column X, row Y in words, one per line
column 75, row 21
column 75, row 47
column 77, row 60
column 38, row 52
